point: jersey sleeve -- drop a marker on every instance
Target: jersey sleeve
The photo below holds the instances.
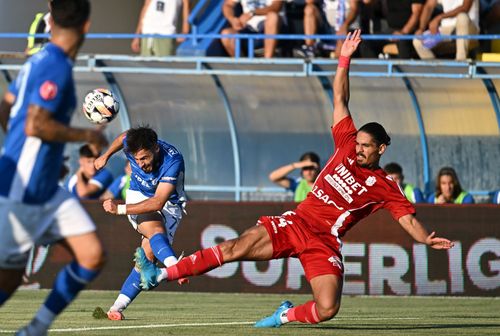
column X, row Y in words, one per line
column 116, row 187
column 468, row 199
column 344, row 133
column 102, row 179
column 171, row 170
column 49, row 86
column 397, row 203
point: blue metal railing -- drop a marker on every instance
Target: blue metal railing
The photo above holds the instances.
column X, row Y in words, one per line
column 194, row 37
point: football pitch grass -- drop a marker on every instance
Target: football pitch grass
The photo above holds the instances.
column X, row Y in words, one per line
column 173, row 313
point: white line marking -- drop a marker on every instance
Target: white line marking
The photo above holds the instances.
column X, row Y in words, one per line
column 155, row 326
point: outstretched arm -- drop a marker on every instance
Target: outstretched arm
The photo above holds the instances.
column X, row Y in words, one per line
column 341, row 81
column 420, row 234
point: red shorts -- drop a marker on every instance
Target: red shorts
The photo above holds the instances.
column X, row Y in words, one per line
column 291, row 237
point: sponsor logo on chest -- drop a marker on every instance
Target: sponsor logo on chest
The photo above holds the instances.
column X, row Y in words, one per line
column 145, row 183
column 346, row 185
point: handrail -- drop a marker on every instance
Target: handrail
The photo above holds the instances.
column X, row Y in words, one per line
column 260, row 36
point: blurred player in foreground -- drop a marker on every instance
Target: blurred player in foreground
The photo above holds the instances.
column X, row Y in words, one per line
column 350, row 187
column 154, row 202
column 35, row 113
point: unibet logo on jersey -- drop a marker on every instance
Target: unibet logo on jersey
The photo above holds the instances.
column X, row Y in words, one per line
column 344, row 183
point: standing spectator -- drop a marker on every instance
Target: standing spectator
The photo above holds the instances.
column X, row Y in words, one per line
column 448, row 189
column 40, row 25
column 118, row 189
column 459, row 17
column 402, row 18
column 309, row 164
column 160, row 17
column 258, row 17
column 87, row 182
column 412, row 193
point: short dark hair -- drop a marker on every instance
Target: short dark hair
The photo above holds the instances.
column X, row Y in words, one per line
column 377, row 132
column 87, row 152
column 142, row 137
column 69, row 13
column 311, row 156
column 393, row 168
column 448, row 171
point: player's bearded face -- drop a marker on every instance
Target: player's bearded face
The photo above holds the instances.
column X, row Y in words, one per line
column 367, row 151
column 145, row 159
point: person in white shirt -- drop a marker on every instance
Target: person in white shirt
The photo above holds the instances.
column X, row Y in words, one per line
column 459, row 17
column 160, row 17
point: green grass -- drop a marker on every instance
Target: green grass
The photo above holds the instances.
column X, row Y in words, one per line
column 168, row 313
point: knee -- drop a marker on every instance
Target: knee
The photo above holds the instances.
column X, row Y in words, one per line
column 272, row 20
column 327, row 312
column 462, row 18
column 227, row 31
column 94, row 259
column 310, row 10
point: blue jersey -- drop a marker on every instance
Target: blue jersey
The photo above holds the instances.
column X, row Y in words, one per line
column 103, row 179
column 170, row 170
column 30, row 168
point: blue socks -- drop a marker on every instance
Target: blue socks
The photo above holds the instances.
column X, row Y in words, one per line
column 162, row 249
column 70, row 280
column 132, row 285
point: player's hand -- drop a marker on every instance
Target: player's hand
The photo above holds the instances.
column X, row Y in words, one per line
column 100, row 162
column 110, row 206
column 438, row 243
column 136, row 45
column 351, row 43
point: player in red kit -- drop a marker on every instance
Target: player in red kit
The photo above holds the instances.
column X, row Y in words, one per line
column 350, row 187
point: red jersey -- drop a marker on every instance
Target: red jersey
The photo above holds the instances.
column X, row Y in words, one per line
column 344, row 193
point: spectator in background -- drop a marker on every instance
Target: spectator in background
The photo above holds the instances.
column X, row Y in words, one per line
column 87, row 182
column 40, row 25
column 160, row 17
column 258, row 17
column 118, row 189
column 402, row 17
column 310, row 12
column 342, row 16
column 310, row 167
column 459, row 17
column 412, row 193
column 448, row 189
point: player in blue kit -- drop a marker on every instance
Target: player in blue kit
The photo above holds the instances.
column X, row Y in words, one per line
column 154, row 202
column 35, row 113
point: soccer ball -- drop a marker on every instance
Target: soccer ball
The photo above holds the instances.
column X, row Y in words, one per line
column 100, row 106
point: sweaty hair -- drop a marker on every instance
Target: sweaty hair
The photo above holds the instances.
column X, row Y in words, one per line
column 86, row 151
column 311, row 156
column 141, row 138
column 69, row 13
column 393, row 168
column 448, row 171
column 377, row 132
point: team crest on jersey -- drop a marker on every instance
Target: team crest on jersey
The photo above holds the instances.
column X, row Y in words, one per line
column 48, row 90
column 371, row 181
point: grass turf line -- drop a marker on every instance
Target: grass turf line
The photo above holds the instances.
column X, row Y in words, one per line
column 161, row 313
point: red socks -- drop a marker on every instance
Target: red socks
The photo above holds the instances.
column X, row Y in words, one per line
column 306, row 313
column 197, row 263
